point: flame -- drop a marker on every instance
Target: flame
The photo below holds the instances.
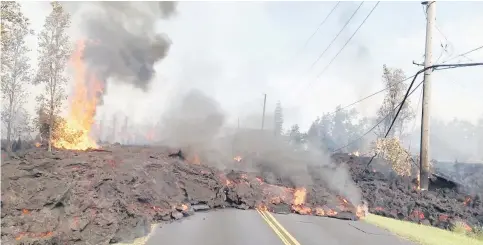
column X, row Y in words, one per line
column 262, row 207
column 319, row 211
column 37, row 144
column 299, row 196
column 331, row 212
column 25, row 211
column 83, row 105
column 237, row 158
column 184, row 207
column 361, row 211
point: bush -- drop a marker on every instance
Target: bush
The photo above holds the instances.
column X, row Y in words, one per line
column 391, row 150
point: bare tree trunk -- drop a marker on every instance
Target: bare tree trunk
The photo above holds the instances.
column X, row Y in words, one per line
column 51, row 124
column 9, row 134
column 51, row 118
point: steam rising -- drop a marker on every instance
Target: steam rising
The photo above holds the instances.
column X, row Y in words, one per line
column 196, row 122
column 122, row 43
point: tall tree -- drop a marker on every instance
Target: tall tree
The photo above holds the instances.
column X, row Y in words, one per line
column 296, row 137
column 54, row 52
column 392, row 78
column 278, row 119
column 16, row 70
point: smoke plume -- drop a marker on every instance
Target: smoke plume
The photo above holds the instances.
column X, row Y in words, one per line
column 122, row 42
column 195, row 124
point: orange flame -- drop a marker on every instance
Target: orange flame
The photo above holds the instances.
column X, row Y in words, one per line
column 37, row 144
column 237, row 158
column 361, row 211
column 82, row 106
column 319, row 211
column 299, row 196
column 262, row 207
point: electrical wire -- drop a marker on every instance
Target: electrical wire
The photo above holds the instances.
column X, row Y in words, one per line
column 414, row 123
column 463, row 54
column 350, row 38
column 338, row 34
column 377, row 124
column 320, row 25
column 371, row 95
column 408, row 93
column 433, row 67
column 445, row 46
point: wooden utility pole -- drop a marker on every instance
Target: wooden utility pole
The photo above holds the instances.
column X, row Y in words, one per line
column 263, row 115
column 424, row 155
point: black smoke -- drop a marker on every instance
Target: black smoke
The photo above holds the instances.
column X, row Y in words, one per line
column 121, row 42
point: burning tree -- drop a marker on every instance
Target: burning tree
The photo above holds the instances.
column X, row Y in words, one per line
column 15, row 69
column 54, row 51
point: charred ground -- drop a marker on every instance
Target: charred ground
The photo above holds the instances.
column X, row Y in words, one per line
column 398, row 197
column 112, row 195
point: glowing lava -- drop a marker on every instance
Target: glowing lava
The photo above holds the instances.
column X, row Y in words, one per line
column 83, row 102
column 299, row 196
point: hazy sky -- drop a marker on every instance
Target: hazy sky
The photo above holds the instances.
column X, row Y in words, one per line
column 237, row 51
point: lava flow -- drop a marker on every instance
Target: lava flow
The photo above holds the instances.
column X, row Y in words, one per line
column 83, row 102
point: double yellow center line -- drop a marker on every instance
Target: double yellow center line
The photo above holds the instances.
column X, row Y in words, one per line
column 281, row 232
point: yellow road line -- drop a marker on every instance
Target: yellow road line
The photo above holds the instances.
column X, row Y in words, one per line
column 274, row 228
column 281, row 232
column 282, row 229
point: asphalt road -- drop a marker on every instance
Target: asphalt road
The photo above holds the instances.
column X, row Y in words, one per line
column 238, row 227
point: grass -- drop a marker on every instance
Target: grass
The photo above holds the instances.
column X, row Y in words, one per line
column 422, row 234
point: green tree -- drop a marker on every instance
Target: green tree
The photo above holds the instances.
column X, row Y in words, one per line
column 392, row 79
column 278, row 119
column 54, row 52
column 16, row 70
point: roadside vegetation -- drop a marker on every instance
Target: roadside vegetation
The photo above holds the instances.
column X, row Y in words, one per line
column 427, row 235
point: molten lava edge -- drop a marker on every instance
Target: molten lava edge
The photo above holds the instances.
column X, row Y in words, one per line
column 101, row 197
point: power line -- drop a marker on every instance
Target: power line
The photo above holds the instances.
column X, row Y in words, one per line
column 444, row 47
column 463, row 54
column 320, row 25
column 433, row 67
column 414, row 123
column 408, row 93
column 333, row 40
column 373, row 94
column 327, row 66
column 378, row 123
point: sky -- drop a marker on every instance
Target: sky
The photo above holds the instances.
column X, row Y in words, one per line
column 235, row 52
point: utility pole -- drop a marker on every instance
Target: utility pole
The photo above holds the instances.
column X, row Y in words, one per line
column 424, row 156
column 263, row 115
